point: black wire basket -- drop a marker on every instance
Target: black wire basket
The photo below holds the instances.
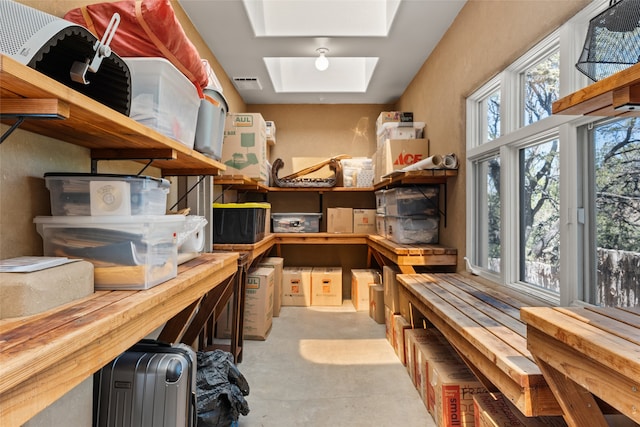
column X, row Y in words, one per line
column 613, row 40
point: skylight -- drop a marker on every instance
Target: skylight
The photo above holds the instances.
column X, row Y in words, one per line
column 348, row 75
column 321, row 18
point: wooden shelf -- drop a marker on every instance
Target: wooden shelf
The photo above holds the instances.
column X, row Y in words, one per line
column 108, row 133
column 45, row 355
column 426, row 176
column 616, row 95
column 244, row 183
column 320, row 239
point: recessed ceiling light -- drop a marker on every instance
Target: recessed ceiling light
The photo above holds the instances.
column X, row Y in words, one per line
column 322, row 63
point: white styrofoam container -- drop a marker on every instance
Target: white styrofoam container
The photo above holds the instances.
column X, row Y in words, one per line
column 128, row 252
column 86, row 194
column 163, row 99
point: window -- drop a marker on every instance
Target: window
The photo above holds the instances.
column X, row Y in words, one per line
column 539, row 215
column 614, row 194
column 545, row 214
column 541, row 85
column 488, row 247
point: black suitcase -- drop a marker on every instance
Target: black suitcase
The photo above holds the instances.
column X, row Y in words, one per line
column 152, row 384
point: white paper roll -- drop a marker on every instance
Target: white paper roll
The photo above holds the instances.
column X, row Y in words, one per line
column 433, row 162
column 450, row 161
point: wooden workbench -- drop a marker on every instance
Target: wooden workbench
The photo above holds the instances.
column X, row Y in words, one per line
column 587, row 351
column 45, row 355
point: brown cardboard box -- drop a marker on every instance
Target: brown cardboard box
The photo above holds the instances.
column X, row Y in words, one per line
column 339, row 220
column 277, row 264
column 494, row 410
column 388, row 324
column 361, row 279
column 400, row 324
column 364, row 221
column 423, row 345
column 326, row 286
column 390, row 284
column 258, row 307
column 453, row 386
column 376, row 303
column 296, row 286
column 396, row 154
column 244, row 147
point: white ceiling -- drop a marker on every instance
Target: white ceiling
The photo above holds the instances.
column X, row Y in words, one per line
column 417, row 27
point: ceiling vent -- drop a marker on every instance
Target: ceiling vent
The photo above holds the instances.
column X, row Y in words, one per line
column 247, row 83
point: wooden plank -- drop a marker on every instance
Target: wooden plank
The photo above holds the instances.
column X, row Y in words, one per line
column 320, row 238
column 606, row 381
column 605, row 320
column 617, row 353
column 578, row 405
column 532, row 400
column 50, row 108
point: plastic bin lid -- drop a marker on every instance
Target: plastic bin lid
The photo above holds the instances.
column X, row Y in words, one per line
column 109, row 219
column 161, row 181
column 241, row 205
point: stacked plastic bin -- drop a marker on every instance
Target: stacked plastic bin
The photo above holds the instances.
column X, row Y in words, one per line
column 117, row 222
column 408, row 215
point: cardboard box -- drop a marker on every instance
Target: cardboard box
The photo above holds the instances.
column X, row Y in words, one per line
column 277, row 264
column 258, row 303
column 453, row 386
column 326, row 286
column 258, row 307
column 361, row 279
column 494, row 410
column 388, row 324
column 244, row 147
column 364, row 221
column 296, row 286
column 339, row 220
column 400, row 324
column 396, row 154
column 429, row 347
column 394, row 116
column 376, row 303
column 390, row 284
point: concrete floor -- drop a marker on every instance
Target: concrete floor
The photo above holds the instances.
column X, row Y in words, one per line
column 328, row 366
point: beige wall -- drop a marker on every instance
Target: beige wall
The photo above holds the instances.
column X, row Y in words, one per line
column 486, row 36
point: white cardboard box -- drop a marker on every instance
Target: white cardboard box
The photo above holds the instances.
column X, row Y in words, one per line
column 326, row 286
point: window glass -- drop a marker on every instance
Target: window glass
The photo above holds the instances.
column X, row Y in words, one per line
column 616, row 202
column 539, row 215
column 541, row 84
column 492, row 107
column 488, row 249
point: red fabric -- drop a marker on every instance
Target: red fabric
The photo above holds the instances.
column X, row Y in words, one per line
column 165, row 38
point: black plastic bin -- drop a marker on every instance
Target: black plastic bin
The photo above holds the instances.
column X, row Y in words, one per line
column 239, row 222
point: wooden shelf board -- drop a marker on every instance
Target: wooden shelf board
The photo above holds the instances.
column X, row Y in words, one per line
column 602, row 97
column 320, row 239
column 91, row 124
column 425, row 176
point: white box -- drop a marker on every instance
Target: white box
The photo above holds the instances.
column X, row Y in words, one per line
column 296, row 286
column 163, row 99
column 361, row 279
column 84, row 194
column 396, row 130
column 128, row 252
column 326, row 286
column 364, row 221
column 244, row 148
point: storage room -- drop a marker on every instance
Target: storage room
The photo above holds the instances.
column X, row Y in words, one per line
column 319, row 213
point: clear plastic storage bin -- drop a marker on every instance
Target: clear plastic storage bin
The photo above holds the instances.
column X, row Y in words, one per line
column 296, row 222
column 412, row 229
column 419, row 200
column 128, row 252
column 104, row 194
column 381, row 203
column 163, row 99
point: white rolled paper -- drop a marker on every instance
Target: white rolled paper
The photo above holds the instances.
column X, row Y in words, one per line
column 450, row 161
column 432, row 162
